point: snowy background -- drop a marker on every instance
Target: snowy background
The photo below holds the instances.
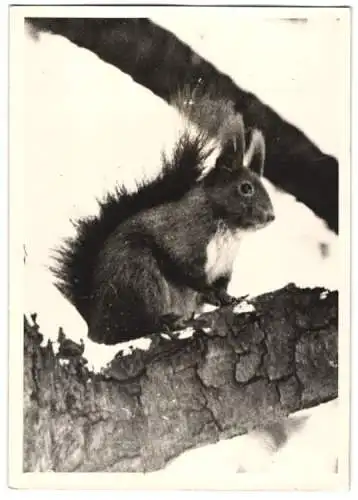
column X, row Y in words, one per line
column 81, row 119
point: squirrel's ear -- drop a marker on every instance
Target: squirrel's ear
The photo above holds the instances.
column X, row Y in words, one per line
column 254, row 157
column 233, row 145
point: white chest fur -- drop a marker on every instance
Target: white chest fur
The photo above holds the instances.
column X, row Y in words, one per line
column 221, row 252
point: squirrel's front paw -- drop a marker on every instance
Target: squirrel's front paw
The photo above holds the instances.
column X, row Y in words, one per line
column 226, row 299
column 211, row 298
column 172, row 322
column 219, row 298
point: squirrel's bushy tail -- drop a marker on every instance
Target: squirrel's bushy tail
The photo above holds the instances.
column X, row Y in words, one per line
column 76, row 259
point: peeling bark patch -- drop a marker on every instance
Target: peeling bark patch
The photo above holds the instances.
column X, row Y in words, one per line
column 245, row 335
column 290, row 392
column 217, row 366
column 317, row 366
column 246, row 367
column 280, row 349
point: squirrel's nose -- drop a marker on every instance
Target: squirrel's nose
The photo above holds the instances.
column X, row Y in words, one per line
column 270, row 216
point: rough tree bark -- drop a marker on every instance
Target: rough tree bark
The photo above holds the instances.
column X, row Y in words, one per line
column 158, row 60
column 237, row 372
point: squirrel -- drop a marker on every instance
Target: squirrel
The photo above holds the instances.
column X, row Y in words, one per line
column 153, row 257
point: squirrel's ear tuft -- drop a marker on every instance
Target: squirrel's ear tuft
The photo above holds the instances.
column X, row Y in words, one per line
column 232, row 138
column 254, row 157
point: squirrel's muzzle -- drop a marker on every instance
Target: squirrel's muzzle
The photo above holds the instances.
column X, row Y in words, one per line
column 270, row 217
column 266, row 217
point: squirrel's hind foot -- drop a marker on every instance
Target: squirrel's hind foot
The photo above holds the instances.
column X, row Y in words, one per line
column 171, row 323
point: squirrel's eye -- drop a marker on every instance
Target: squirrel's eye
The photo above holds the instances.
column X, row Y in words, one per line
column 246, row 188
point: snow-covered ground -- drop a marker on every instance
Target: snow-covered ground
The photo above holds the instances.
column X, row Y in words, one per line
column 87, row 126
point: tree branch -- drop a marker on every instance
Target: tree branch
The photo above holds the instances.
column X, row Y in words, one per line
column 237, row 372
column 158, row 60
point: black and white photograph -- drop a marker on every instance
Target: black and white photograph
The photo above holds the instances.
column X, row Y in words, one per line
column 179, row 242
